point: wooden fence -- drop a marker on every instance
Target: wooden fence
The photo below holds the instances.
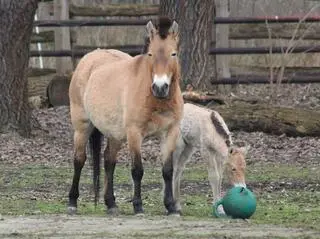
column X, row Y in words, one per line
column 63, row 40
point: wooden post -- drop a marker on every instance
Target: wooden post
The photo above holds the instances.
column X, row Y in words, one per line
column 222, row 38
column 62, row 36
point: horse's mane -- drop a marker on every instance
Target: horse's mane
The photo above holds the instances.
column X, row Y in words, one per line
column 163, row 25
column 221, row 127
column 146, row 45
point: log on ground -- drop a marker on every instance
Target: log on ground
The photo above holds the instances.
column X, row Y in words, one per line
column 293, row 122
column 58, row 90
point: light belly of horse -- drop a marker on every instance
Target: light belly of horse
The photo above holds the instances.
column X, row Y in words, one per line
column 108, row 119
column 109, row 124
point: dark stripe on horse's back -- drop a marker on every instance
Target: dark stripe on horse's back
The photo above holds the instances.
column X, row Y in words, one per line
column 219, row 127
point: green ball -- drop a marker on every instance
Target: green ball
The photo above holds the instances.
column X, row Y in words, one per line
column 239, row 202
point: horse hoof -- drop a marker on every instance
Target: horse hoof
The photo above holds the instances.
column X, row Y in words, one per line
column 113, row 211
column 139, row 214
column 72, row 210
column 138, row 211
column 174, row 214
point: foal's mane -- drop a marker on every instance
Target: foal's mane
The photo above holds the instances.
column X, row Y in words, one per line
column 220, row 128
column 162, row 26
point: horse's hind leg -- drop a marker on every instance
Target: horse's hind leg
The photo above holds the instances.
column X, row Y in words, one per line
column 81, row 135
column 110, row 154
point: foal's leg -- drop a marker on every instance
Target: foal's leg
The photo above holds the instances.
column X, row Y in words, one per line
column 110, row 154
column 181, row 156
column 168, row 147
column 134, row 139
column 80, row 138
column 215, row 171
column 178, row 166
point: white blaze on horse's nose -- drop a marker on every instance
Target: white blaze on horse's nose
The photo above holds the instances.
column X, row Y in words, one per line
column 161, row 80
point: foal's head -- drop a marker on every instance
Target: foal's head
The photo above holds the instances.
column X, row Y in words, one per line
column 235, row 166
column 162, row 54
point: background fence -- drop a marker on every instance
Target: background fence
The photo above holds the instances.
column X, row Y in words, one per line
column 280, row 36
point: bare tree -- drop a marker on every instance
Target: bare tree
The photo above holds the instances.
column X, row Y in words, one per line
column 16, row 19
column 195, row 19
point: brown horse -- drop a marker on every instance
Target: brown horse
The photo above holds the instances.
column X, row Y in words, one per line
column 127, row 98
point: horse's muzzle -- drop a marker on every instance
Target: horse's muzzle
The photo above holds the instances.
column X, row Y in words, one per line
column 160, row 92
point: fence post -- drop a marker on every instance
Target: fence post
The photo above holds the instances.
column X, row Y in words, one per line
column 222, row 38
column 62, row 36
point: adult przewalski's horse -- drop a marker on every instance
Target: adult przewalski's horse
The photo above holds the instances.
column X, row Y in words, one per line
column 127, row 99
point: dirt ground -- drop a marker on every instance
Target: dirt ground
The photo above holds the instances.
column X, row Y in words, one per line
column 52, row 145
column 61, row 226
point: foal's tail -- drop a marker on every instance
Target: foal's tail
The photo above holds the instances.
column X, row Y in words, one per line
column 95, row 142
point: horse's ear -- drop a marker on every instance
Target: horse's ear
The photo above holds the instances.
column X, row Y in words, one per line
column 174, row 29
column 150, row 29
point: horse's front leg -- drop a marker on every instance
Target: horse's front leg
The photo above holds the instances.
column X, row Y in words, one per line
column 168, row 146
column 215, row 173
column 134, row 139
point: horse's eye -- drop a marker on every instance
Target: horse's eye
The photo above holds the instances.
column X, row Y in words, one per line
column 233, row 169
column 174, row 54
column 149, row 54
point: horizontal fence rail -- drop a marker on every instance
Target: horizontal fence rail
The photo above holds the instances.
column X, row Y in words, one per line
column 272, row 19
column 93, row 22
column 135, row 50
column 130, row 21
column 263, row 50
column 265, row 80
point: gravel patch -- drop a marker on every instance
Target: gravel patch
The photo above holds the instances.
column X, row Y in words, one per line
column 61, row 226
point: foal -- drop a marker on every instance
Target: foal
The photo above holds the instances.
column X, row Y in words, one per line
column 127, row 99
column 205, row 129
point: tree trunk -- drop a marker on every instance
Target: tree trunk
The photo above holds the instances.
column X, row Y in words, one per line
column 16, row 18
column 195, row 19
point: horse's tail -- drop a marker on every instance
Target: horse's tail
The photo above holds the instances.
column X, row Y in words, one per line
column 95, row 142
